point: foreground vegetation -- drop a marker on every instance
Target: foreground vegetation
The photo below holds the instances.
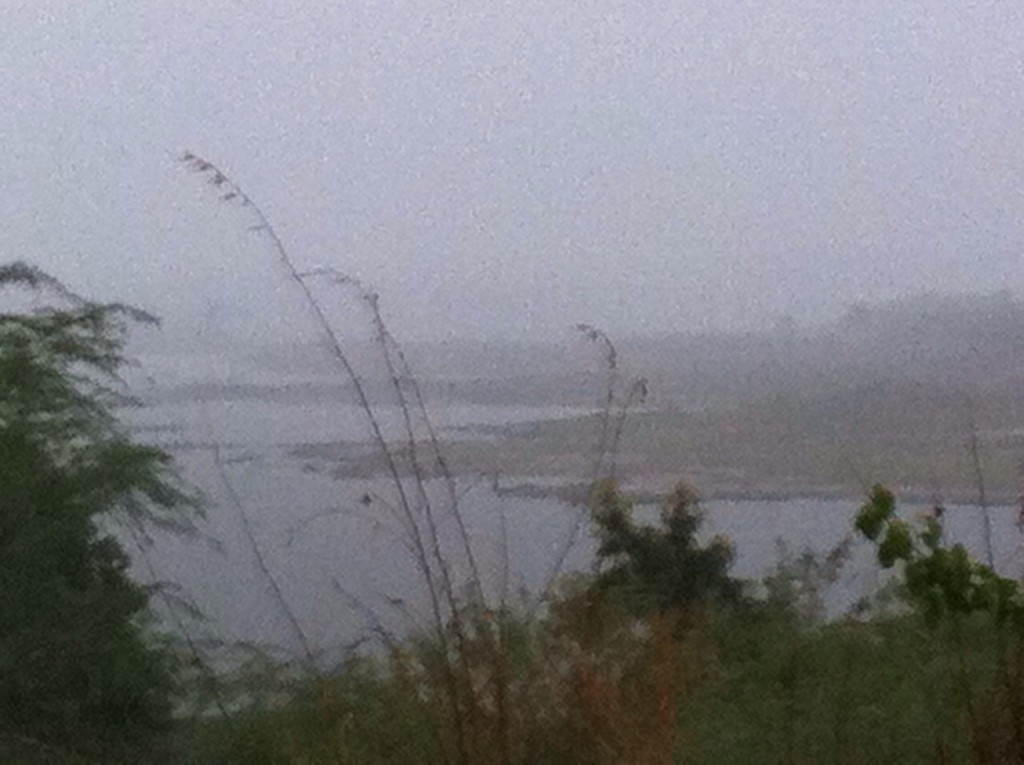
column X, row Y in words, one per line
column 657, row 655
column 660, row 657
column 663, row 659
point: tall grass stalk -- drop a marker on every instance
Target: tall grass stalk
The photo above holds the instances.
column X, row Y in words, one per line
column 416, row 508
column 979, row 479
column 611, row 426
column 196, row 656
column 261, row 561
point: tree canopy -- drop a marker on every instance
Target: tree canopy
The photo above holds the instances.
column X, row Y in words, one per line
column 662, row 567
column 78, row 669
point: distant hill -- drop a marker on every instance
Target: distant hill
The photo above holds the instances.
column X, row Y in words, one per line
column 968, row 342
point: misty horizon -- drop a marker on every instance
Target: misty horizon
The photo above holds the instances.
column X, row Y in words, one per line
column 509, row 171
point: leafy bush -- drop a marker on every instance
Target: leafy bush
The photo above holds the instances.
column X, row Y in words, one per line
column 661, row 568
column 956, row 595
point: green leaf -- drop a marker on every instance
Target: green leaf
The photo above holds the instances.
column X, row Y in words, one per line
column 873, row 514
column 898, row 544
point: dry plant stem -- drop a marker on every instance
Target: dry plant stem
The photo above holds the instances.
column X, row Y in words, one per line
column 442, row 463
column 417, row 468
column 431, row 523
column 637, row 395
column 220, row 179
column 979, row 477
column 372, row 619
column 400, row 375
column 496, row 650
column 500, row 664
column 611, row 357
column 500, row 670
column 399, row 606
column 397, row 516
column 294, row 530
column 506, row 563
column 261, row 563
column 179, row 623
column 387, row 344
column 976, row 462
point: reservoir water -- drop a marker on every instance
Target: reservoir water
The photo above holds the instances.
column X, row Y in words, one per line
column 340, row 556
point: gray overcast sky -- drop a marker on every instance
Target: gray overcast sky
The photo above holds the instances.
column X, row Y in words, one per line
column 510, row 168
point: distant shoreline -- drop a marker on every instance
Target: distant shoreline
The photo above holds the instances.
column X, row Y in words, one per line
column 573, row 492
column 358, row 461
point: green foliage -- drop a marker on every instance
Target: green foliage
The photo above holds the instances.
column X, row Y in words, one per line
column 797, row 587
column 898, row 544
column 875, row 512
column 956, row 595
column 77, row 668
column 942, row 581
column 661, row 567
column 749, row 681
column 763, row 689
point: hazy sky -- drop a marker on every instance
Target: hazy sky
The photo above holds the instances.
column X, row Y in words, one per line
column 511, row 168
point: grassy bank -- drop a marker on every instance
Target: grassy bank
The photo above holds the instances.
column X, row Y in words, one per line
column 751, row 685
